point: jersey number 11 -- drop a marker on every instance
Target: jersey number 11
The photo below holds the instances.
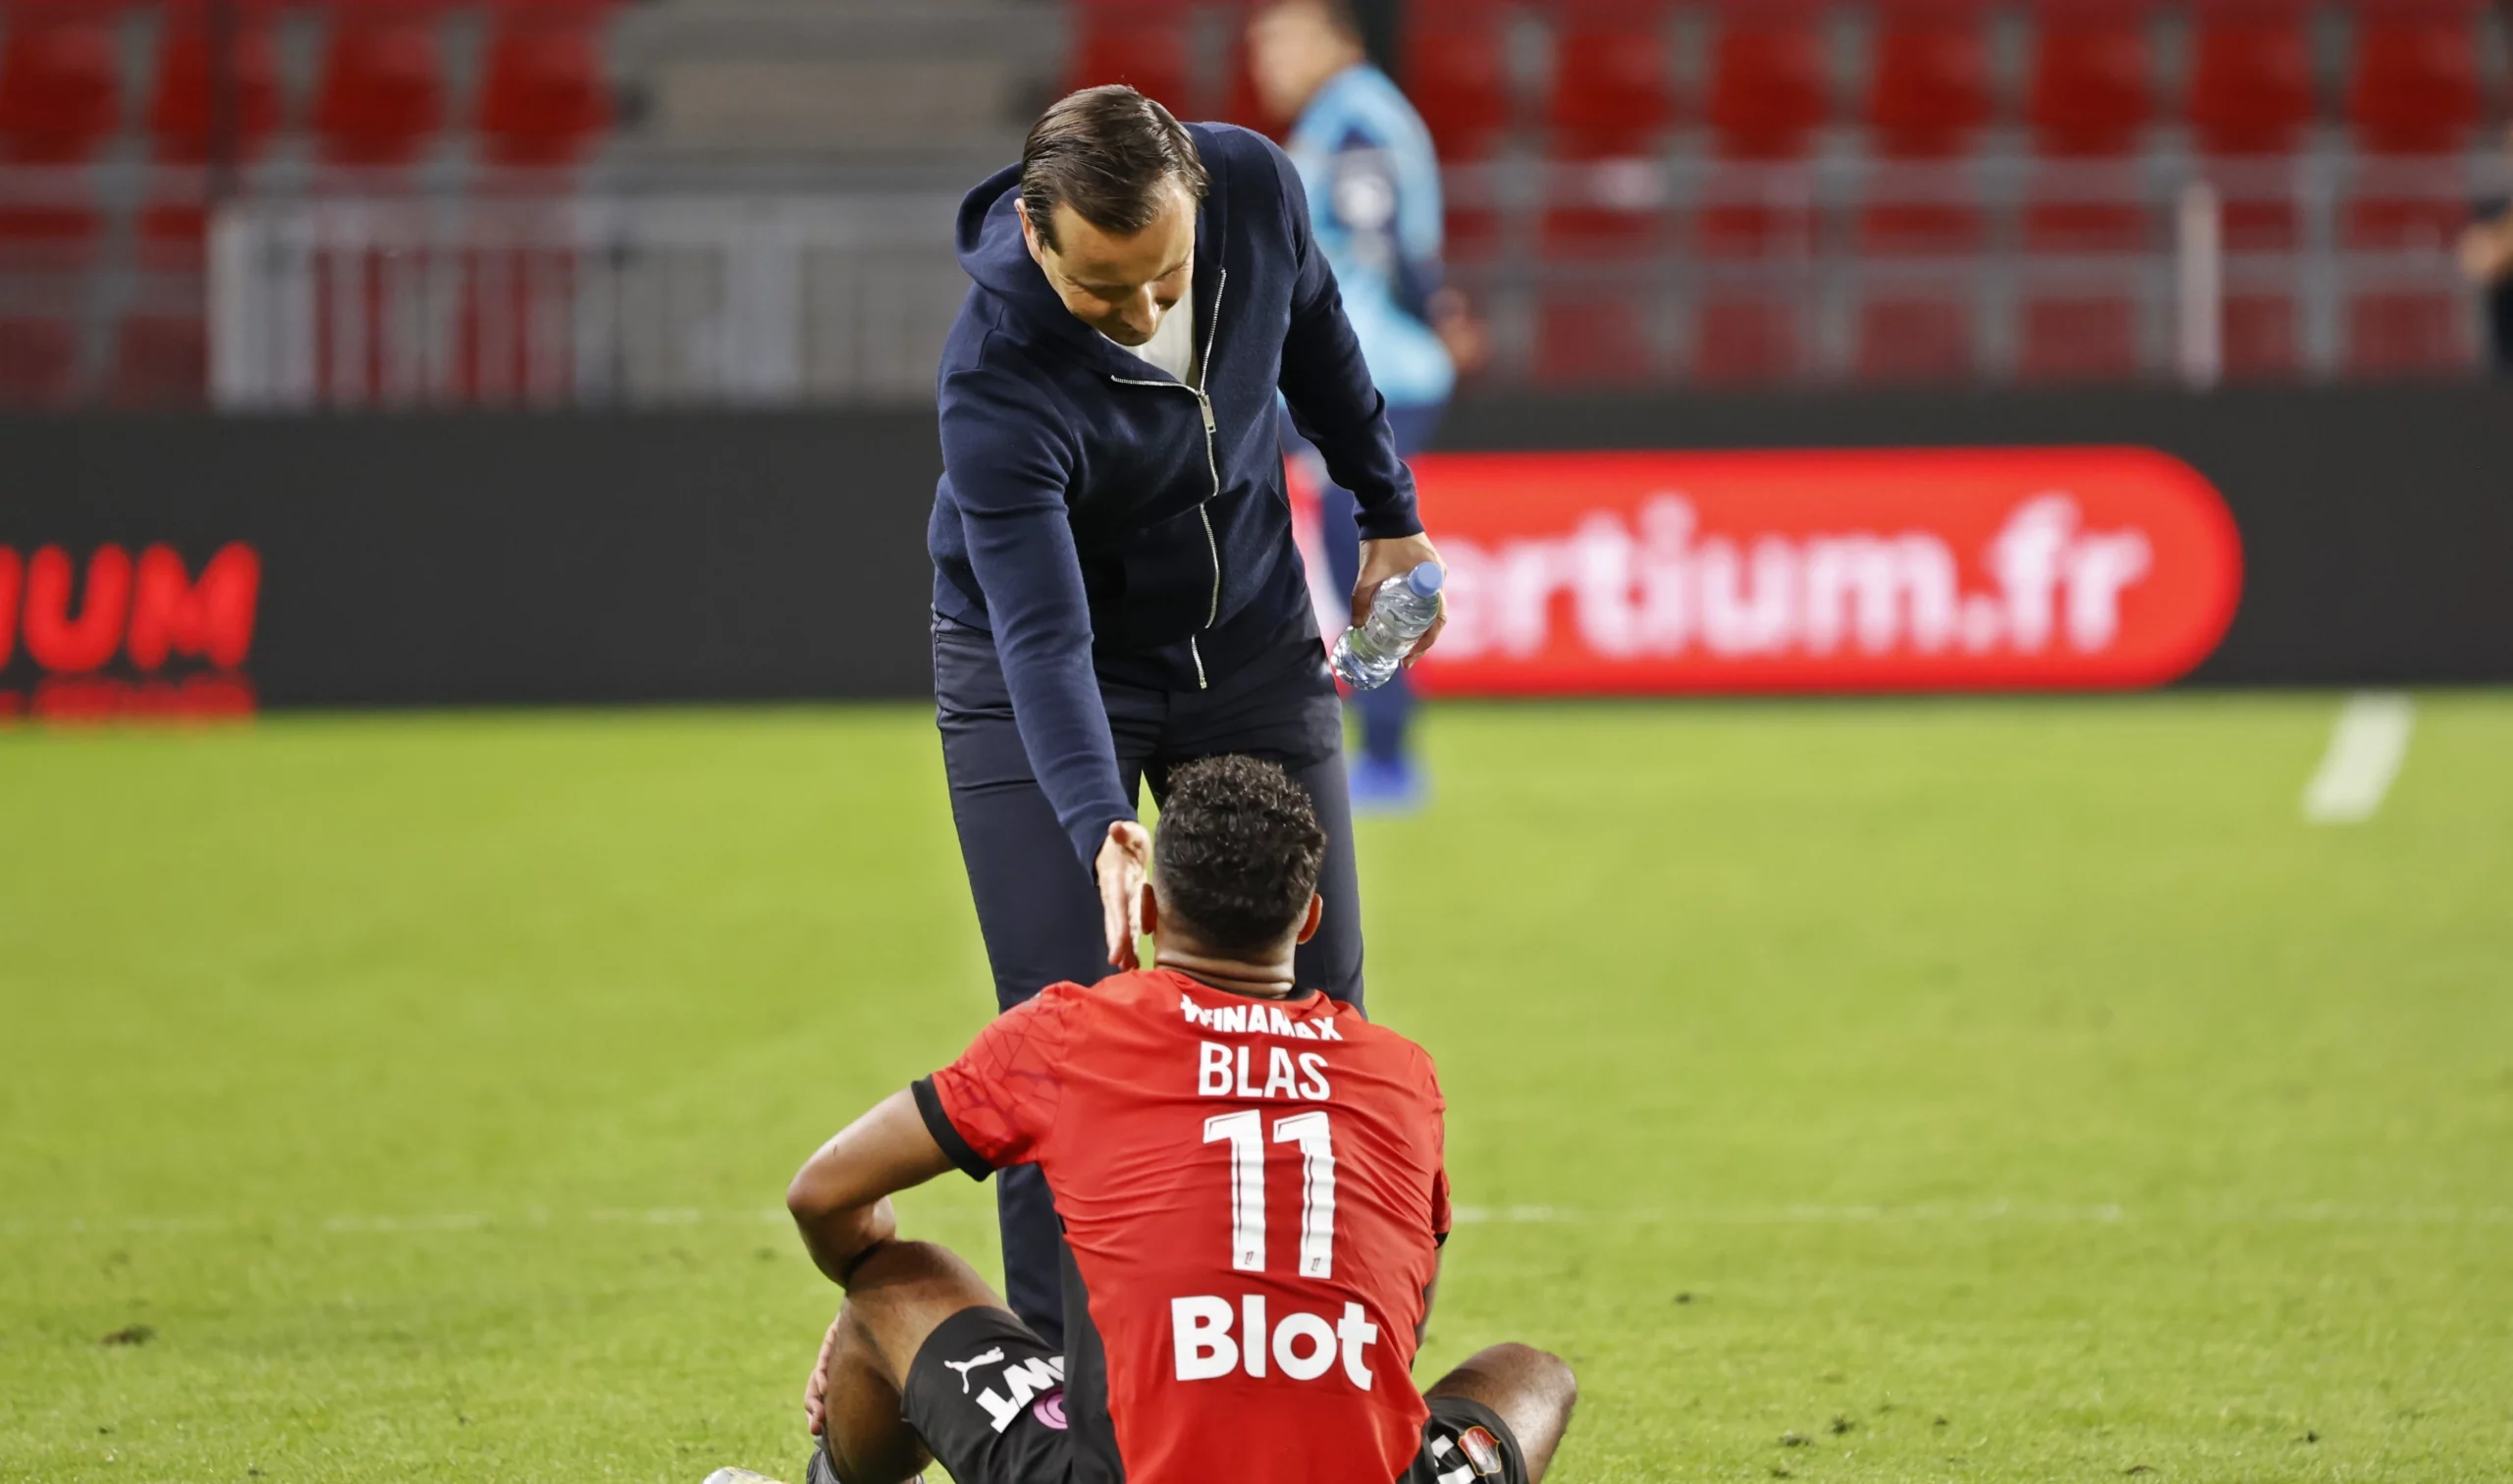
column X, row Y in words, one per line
column 1246, row 1132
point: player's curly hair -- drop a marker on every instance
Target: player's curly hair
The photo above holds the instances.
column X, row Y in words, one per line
column 1237, row 852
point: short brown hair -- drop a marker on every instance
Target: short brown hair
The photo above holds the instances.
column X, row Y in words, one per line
column 1106, row 152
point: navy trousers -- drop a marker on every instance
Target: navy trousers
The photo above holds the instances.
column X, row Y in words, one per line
column 1038, row 905
column 1385, row 711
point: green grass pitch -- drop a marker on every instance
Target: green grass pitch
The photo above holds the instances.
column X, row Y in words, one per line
column 1999, row 1092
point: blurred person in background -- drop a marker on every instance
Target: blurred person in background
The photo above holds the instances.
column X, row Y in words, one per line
column 1373, row 186
column 2486, row 256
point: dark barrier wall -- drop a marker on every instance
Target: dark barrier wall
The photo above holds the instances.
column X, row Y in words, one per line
column 427, row 560
column 578, row 559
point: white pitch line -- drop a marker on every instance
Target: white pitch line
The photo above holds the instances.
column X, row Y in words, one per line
column 2367, row 747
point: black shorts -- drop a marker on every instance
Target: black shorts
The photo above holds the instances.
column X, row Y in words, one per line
column 1466, row 1442
column 988, row 1398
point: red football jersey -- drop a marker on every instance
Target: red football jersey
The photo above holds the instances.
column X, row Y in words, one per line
column 1254, row 1194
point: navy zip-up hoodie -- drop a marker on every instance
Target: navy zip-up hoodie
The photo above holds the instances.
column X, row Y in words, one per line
column 1099, row 519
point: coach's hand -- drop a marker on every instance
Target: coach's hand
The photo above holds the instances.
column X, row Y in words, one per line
column 1394, row 556
column 1124, row 861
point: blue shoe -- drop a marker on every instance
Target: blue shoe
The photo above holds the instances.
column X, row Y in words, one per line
column 1388, row 786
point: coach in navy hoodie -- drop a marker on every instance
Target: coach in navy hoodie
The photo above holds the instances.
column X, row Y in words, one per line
column 1115, row 584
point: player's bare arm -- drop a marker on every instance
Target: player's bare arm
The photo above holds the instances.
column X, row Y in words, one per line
column 840, row 1199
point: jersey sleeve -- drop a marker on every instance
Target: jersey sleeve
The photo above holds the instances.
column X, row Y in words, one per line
column 1441, row 1217
column 996, row 1105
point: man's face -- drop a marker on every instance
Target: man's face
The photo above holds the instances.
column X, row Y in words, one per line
column 1122, row 287
column 1292, row 52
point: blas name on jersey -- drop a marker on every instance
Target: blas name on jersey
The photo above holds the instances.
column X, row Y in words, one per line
column 1230, row 1071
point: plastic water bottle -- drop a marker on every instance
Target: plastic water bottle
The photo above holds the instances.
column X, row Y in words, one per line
column 1371, row 653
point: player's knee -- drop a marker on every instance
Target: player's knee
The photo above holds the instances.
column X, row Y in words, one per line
column 920, row 1266
column 1538, row 1373
column 1560, row 1378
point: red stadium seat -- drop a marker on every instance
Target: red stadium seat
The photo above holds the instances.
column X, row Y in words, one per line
column 1768, row 92
column 1455, row 71
column 1766, row 97
column 1594, row 334
column 1907, row 336
column 1611, row 94
column 2388, row 219
column 2415, row 88
column 382, row 94
column 544, row 97
column 2409, row 334
column 1142, row 43
column 183, row 108
column 1471, row 233
column 1743, row 337
column 48, row 234
column 59, row 83
column 2078, row 338
column 2089, row 100
column 38, row 362
column 183, row 126
column 2260, row 336
column 1613, row 211
column 1744, row 231
column 2251, row 89
column 159, row 360
column 2414, row 91
column 2251, row 97
column 1930, row 97
column 172, row 232
column 1931, row 94
column 2092, row 91
column 49, row 222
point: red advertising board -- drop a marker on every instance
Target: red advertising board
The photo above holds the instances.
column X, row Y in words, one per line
column 1884, row 570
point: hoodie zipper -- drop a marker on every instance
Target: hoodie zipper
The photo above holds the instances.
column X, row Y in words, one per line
column 1212, row 464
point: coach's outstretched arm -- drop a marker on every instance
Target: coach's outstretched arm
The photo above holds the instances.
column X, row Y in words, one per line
column 1336, row 407
column 840, row 1199
column 1010, row 466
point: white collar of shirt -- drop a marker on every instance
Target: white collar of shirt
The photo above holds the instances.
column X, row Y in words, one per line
column 1172, row 346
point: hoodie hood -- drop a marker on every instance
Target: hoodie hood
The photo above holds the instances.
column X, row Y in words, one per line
column 997, row 260
column 991, row 248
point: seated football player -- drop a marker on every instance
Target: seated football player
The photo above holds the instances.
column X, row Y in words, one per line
column 1252, row 1188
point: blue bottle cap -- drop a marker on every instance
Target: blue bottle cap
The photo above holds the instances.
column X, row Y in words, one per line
column 1426, row 579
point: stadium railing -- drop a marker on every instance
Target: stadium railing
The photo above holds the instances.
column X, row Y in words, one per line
column 581, row 302
column 2317, row 265
column 1630, row 273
